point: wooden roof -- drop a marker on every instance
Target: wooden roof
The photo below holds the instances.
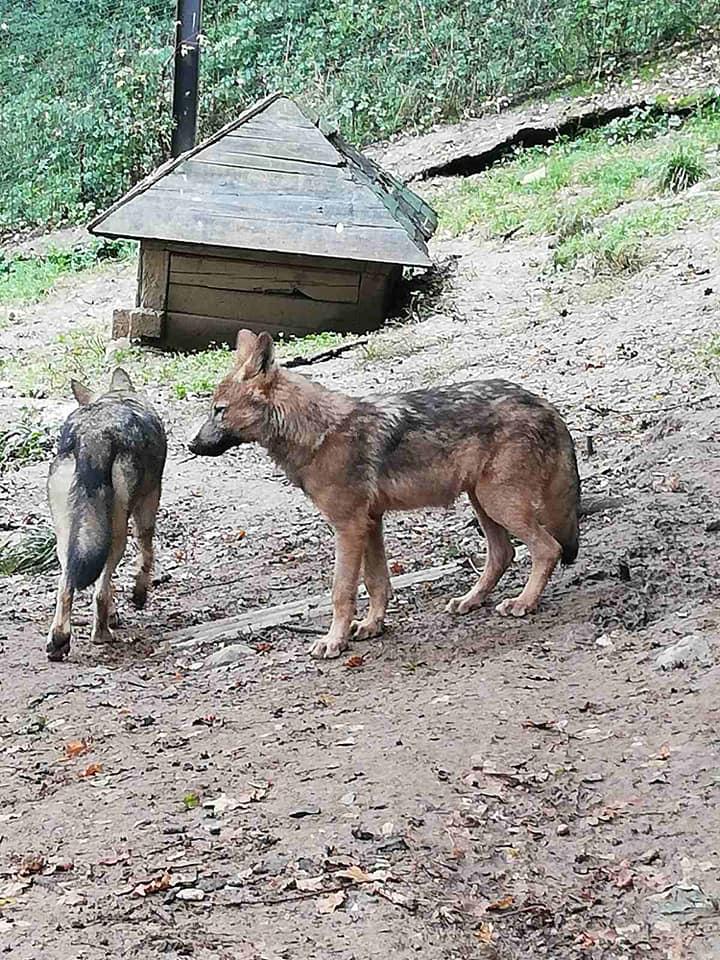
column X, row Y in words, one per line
column 272, row 180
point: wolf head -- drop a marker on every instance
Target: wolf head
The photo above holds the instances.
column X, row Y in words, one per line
column 120, row 383
column 242, row 402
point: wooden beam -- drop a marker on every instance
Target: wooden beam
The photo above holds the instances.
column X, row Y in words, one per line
column 319, row 603
column 154, row 277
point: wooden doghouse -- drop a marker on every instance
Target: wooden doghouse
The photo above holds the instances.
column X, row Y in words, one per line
column 271, row 224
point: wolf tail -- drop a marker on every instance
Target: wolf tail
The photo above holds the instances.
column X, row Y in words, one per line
column 81, row 499
column 569, row 538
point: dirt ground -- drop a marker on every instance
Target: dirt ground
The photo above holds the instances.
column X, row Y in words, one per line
column 465, row 787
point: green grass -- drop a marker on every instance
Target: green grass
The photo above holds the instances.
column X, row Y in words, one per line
column 683, row 168
column 34, row 553
column 617, row 246
column 23, row 442
column 26, row 279
column 563, row 188
column 82, row 354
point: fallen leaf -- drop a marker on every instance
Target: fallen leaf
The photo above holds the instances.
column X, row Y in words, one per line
column 330, row 903
column 484, row 933
column 263, row 647
column 32, row 864
column 92, row 770
column 355, row 661
column 397, row 568
column 156, row 885
column 310, row 884
column 76, row 748
column 504, row 903
column 624, row 876
column 663, row 753
column 191, row 800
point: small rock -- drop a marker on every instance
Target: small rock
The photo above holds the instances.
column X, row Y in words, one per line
column 692, row 649
column 605, row 642
column 228, row 655
column 534, row 176
column 192, row 894
column 301, row 812
column 347, row 799
column 649, row 856
column 562, row 829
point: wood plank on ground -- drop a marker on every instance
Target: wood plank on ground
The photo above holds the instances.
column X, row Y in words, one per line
column 318, row 603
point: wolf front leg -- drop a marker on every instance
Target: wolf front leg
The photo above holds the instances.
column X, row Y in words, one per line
column 349, row 547
column 58, row 644
column 377, row 581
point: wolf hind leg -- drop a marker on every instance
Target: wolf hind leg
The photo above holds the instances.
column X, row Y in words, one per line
column 377, row 581
column 500, row 553
column 103, row 597
column 58, row 644
column 513, row 508
column 144, row 516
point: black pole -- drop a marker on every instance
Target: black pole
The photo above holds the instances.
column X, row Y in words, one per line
column 187, row 63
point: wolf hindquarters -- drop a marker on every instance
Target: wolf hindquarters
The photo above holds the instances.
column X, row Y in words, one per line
column 108, row 468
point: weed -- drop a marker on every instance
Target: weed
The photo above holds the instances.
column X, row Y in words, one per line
column 34, row 553
column 23, row 442
column 683, row 168
column 25, row 279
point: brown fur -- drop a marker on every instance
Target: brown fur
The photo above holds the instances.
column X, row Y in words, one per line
column 507, row 449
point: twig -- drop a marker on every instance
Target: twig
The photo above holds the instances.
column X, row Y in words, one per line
column 604, row 411
column 325, row 355
column 269, row 901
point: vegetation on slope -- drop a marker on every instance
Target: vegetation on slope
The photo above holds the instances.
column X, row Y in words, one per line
column 86, row 87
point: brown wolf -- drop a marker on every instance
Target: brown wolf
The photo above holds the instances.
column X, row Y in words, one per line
column 108, row 467
column 506, row 448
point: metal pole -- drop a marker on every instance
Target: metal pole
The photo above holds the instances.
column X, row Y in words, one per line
column 185, row 86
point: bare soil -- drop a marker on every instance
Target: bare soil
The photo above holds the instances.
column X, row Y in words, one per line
column 461, row 787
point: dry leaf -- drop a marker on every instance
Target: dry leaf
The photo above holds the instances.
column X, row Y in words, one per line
column 396, row 568
column 156, row 885
column 92, row 770
column 330, row 903
column 76, row 748
column 624, row 876
column 484, row 933
column 32, row 864
column 355, row 661
column 504, row 903
column 357, row 875
column 663, row 753
column 310, row 884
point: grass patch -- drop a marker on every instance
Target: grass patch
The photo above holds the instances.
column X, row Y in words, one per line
column 23, row 442
column 34, row 553
column 562, row 188
column 26, row 279
column 616, row 246
column 83, row 354
column 683, row 168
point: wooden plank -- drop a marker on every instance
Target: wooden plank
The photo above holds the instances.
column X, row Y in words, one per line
column 271, row 164
column 299, row 210
column 284, row 109
column 312, row 290
column 341, row 196
column 239, row 305
column 322, row 179
column 308, row 607
column 154, row 278
column 320, row 152
column 258, row 269
column 149, row 214
column 263, row 256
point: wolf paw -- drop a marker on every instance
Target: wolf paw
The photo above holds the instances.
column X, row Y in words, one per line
column 462, row 604
column 102, row 635
column 367, row 628
column 58, row 646
column 514, row 607
column 139, row 597
column 327, row 648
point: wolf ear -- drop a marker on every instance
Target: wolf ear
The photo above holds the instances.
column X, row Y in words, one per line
column 82, row 394
column 258, row 356
column 121, row 380
column 244, row 345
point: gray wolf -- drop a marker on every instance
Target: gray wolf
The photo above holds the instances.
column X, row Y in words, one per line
column 109, row 465
column 356, row 459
